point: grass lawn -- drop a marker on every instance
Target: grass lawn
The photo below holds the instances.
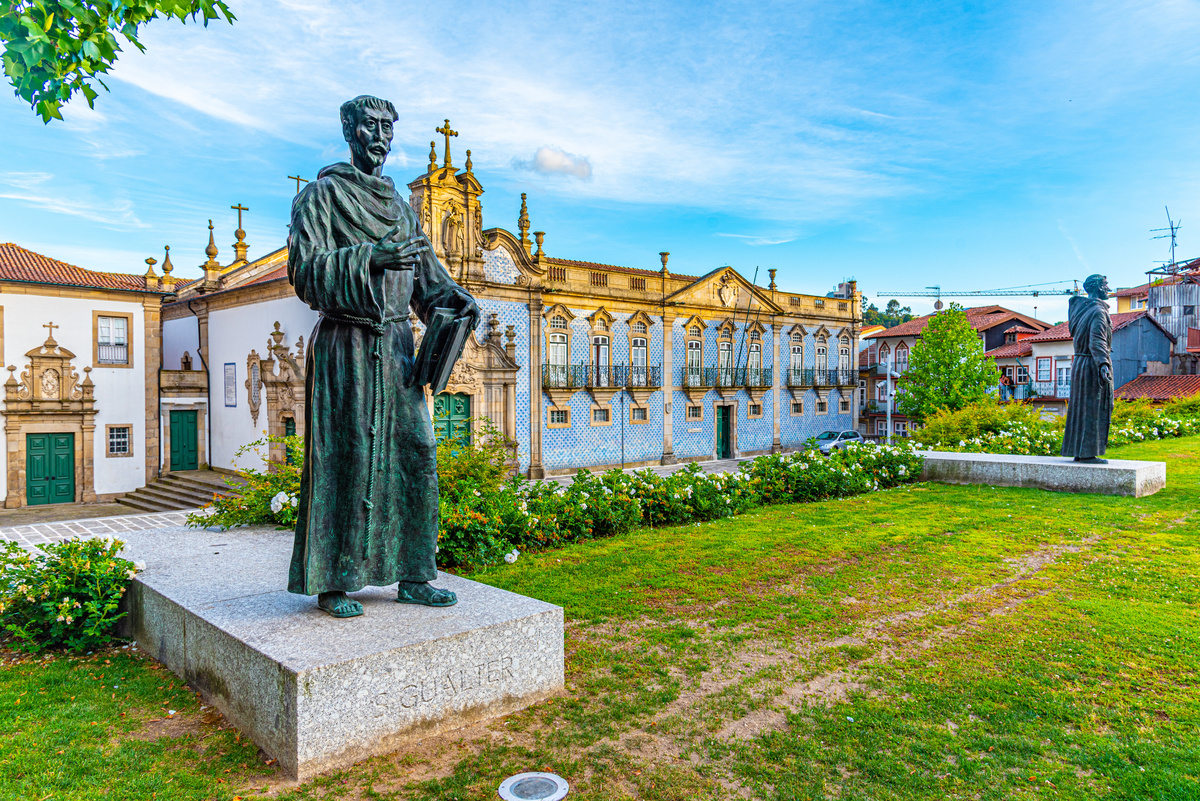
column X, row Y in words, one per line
column 927, row 642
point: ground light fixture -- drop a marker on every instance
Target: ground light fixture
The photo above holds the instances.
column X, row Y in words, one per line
column 534, row 787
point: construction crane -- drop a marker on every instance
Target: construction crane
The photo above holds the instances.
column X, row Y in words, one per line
column 1016, row 291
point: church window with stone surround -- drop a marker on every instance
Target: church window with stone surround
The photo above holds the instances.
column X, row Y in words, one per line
column 112, row 340
column 558, row 321
column 118, row 440
column 601, row 324
column 694, row 331
column 639, row 327
column 797, row 337
column 695, row 412
column 755, row 336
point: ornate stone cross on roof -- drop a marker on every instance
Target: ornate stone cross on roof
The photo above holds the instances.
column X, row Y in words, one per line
column 445, row 130
column 50, row 338
column 240, row 245
column 295, row 178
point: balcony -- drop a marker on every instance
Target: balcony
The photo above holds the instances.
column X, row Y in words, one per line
column 600, row 376
column 1020, row 392
column 112, row 354
column 725, row 377
column 1051, row 389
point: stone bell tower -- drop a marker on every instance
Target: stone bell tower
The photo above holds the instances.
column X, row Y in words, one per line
column 447, row 202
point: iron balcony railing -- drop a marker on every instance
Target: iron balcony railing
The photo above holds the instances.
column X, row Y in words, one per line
column 1052, row 389
column 800, row 377
column 566, row 376
column 1019, row 392
column 113, row 354
column 726, row 377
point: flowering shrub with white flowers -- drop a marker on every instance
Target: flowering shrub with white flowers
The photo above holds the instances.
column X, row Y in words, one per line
column 483, row 526
column 64, row 595
column 990, row 427
column 268, row 495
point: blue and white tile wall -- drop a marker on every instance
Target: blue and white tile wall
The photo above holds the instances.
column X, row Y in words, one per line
column 516, row 315
column 498, row 266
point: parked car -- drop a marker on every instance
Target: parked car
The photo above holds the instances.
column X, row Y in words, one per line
column 828, row 441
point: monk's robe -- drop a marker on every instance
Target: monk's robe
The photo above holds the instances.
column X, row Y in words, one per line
column 1089, row 410
column 368, row 507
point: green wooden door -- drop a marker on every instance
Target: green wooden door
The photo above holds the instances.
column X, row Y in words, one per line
column 452, row 417
column 183, row 441
column 49, row 468
column 724, row 433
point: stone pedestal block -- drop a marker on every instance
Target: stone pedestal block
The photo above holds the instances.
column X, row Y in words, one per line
column 316, row 692
column 1059, row 474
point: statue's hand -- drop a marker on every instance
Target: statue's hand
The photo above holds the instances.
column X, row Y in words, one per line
column 469, row 309
column 398, row 255
column 1106, row 373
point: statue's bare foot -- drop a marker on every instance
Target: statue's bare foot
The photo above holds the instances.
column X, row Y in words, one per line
column 1091, row 460
column 339, row 604
column 421, row 592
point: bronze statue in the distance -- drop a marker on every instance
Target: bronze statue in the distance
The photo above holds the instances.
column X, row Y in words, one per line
column 368, row 512
column 1089, row 410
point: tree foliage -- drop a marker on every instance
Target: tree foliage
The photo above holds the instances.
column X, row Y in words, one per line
column 54, row 49
column 947, row 368
column 892, row 315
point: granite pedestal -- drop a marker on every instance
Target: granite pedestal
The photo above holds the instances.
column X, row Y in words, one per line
column 1056, row 473
column 316, row 692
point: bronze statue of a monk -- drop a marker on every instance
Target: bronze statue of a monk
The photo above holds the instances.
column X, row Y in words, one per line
column 1089, row 411
column 368, row 512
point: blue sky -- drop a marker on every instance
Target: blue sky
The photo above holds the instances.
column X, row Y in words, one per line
column 969, row 144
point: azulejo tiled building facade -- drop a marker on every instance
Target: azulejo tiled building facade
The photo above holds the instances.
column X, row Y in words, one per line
column 580, row 364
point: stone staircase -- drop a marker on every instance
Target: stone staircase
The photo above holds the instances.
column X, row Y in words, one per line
column 182, row 489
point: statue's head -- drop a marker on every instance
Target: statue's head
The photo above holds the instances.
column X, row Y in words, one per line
column 1096, row 286
column 367, row 126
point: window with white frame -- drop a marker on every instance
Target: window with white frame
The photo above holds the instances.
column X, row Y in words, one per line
column 1063, row 370
column 797, row 407
column 1043, row 369
column 637, row 414
column 754, row 360
column 639, row 327
column 797, row 358
column 637, row 352
column 881, row 391
column 558, row 417
column 694, row 331
column 900, row 427
column 112, row 340
column 118, row 440
column 881, row 428
column 599, row 415
column 822, row 357
column 901, row 357
column 844, row 353
column 695, row 412
column 695, row 361
column 844, row 406
column 862, row 392
column 558, row 321
column 822, row 406
column 885, row 353
column 755, row 410
column 1022, row 374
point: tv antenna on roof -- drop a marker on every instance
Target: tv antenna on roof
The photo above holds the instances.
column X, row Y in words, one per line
column 1172, row 228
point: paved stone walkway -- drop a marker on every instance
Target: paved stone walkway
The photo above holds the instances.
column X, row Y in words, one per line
column 42, row 533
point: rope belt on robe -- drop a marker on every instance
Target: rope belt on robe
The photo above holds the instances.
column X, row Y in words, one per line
column 378, row 401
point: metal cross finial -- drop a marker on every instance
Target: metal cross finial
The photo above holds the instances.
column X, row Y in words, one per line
column 239, row 208
column 445, row 131
column 295, row 178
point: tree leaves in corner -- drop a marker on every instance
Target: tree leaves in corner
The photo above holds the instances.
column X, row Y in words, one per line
column 947, row 368
column 55, row 49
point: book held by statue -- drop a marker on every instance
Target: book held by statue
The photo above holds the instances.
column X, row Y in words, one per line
column 445, row 337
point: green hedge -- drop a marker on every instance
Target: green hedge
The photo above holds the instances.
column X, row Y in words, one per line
column 483, row 518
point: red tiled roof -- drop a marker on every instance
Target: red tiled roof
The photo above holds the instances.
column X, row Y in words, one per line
column 981, row 318
column 1011, row 349
column 20, row 264
column 1060, row 332
column 591, row 265
column 1159, row 387
column 1020, row 329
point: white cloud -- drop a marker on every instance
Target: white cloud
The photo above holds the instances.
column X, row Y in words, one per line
column 758, row 241
column 31, row 189
column 554, row 161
